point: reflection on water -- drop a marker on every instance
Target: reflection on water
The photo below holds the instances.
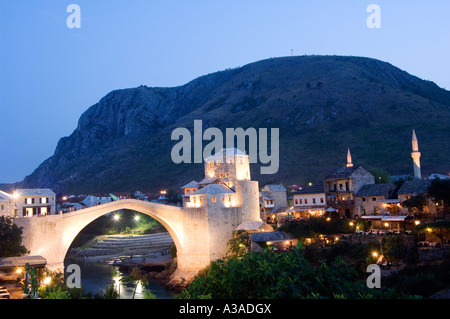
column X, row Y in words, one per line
column 96, row 276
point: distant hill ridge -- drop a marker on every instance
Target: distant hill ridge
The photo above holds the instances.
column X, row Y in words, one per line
column 321, row 104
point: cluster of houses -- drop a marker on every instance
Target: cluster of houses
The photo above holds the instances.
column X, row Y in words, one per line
column 43, row 201
column 350, row 192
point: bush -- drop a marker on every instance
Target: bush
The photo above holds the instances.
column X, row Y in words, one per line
column 277, row 276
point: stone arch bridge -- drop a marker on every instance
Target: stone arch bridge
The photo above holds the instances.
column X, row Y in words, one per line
column 200, row 234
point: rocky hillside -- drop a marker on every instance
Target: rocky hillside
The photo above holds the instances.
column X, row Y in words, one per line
column 321, row 104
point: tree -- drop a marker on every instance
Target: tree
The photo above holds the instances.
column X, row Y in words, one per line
column 278, row 276
column 417, row 202
column 381, row 176
column 394, row 248
column 439, row 190
column 10, row 238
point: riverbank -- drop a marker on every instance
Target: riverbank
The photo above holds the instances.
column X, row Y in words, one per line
column 144, row 256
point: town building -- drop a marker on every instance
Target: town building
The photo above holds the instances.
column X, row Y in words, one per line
column 377, row 199
column 342, row 184
column 272, row 200
column 309, row 201
column 220, row 187
column 29, row 202
column 6, row 204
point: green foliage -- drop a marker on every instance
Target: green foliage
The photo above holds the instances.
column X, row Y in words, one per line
column 422, row 280
column 417, row 202
column 381, row 176
column 173, row 251
column 271, row 275
column 149, row 295
column 10, row 238
column 439, row 190
column 317, row 225
column 394, row 248
column 240, row 244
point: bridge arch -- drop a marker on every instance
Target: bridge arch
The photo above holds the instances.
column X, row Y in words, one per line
column 169, row 216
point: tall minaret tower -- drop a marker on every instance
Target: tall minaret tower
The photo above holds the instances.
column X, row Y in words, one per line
column 416, row 156
column 349, row 158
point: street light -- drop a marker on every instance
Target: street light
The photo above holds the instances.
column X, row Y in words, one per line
column 136, row 218
column 47, row 280
column 116, row 217
column 375, row 254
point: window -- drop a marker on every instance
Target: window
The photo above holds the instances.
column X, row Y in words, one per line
column 213, row 199
column 223, row 199
column 296, row 202
column 188, row 191
column 374, row 199
column 28, row 212
column 29, row 201
column 3, row 207
column 226, row 175
column 306, row 201
column 201, row 200
column 215, row 174
column 230, row 161
column 221, row 175
column 314, row 200
column 229, row 199
column 44, row 211
column 195, row 200
column 340, row 186
column 321, row 200
column 218, row 163
column 363, row 199
column 210, row 164
column 43, row 200
column 301, row 201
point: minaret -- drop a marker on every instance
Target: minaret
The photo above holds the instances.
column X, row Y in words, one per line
column 416, row 156
column 349, row 158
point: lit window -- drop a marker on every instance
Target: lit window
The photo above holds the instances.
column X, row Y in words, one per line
column 218, row 163
column 187, row 191
column 44, row 211
column 195, row 200
column 306, row 201
column 230, row 161
column 213, row 199
column 221, row 175
column 201, row 200
column 296, row 202
column 44, row 200
column 223, row 199
column 29, row 201
column 229, row 199
column 226, row 175
column 28, row 212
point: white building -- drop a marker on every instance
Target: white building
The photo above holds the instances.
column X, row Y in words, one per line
column 309, row 201
column 29, row 202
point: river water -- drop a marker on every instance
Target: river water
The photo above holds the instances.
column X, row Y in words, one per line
column 96, row 276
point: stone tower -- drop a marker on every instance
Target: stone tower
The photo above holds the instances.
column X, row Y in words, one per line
column 416, row 156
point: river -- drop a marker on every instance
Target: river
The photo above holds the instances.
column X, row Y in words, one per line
column 96, row 276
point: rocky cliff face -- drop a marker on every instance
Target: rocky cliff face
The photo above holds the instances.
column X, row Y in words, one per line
column 321, row 104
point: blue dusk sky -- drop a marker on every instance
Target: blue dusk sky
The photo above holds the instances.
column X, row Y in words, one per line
column 50, row 74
